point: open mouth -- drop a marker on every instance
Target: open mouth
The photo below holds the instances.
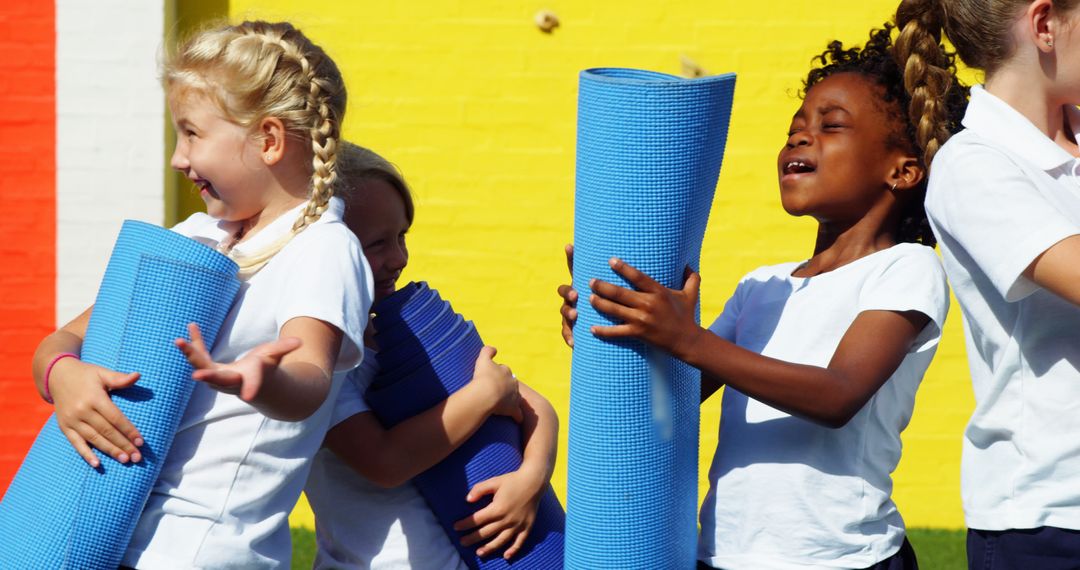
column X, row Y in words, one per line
column 205, row 186
column 798, row 167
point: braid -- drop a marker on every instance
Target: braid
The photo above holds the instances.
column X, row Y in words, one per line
column 255, row 70
column 929, row 73
column 922, row 121
column 324, row 137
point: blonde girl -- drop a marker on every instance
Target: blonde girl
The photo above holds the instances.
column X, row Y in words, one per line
column 257, row 109
column 367, row 514
column 1003, row 200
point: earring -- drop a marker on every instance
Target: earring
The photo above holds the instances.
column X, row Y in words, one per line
column 1049, row 41
column 893, row 187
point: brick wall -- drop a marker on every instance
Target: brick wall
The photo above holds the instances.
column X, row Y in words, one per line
column 27, row 196
column 477, row 107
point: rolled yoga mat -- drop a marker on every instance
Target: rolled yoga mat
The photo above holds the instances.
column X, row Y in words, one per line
column 427, row 352
column 61, row 513
column 649, row 149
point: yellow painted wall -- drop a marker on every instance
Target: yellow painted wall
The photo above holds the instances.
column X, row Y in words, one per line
column 477, row 107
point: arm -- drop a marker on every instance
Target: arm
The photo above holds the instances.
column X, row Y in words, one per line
column 390, row 457
column 286, row 379
column 84, row 412
column 1058, row 269
column 868, row 354
column 509, row 517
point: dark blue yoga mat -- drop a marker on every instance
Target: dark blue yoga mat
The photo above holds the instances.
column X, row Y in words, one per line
column 649, row 148
column 427, row 352
column 61, row 513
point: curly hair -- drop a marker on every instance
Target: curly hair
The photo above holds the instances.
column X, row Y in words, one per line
column 921, row 123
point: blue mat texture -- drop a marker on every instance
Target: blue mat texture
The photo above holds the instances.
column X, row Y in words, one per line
column 61, row 513
column 427, row 352
column 649, row 148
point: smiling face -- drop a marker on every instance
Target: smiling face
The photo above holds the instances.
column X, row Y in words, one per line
column 220, row 157
column 838, row 155
column 375, row 212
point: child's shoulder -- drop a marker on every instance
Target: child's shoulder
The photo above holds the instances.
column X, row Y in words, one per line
column 766, row 272
column 197, row 224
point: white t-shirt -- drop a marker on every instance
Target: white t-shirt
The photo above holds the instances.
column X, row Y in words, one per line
column 788, row 493
column 1001, row 193
column 361, row 526
column 232, row 476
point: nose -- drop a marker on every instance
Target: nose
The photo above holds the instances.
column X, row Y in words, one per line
column 799, row 138
column 398, row 258
column 179, row 160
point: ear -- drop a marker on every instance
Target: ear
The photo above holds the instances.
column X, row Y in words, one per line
column 1040, row 24
column 906, row 174
column 271, row 133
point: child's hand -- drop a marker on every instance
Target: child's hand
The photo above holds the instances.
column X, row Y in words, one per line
column 87, row 416
column 569, row 296
column 245, row 376
column 497, row 380
column 509, row 517
column 655, row 314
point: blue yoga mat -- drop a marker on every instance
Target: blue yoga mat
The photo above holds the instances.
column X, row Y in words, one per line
column 61, row 513
column 649, row 148
column 427, row 352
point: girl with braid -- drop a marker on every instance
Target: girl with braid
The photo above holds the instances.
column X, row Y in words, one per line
column 257, row 109
column 821, row 358
column 1004, row 203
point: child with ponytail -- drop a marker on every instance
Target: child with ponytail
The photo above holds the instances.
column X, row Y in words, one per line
column 1004, row 201
column 257, row 109
column 821, row 358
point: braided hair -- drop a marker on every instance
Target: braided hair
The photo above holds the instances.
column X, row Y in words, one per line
column 923, row 122
column 254, row 70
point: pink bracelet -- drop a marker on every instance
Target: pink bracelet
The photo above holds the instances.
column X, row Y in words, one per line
column 48, row 370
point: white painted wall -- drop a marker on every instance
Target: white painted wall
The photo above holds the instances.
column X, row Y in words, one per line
column 110, row 135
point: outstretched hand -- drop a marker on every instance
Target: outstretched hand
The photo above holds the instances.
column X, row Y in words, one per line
column 244, row 377
column 653, row 313
column 569, row 296
column 508, row 519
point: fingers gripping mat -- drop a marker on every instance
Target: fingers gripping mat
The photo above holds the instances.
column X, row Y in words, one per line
column 68, row 514
column 649, row 149
column 427, row 352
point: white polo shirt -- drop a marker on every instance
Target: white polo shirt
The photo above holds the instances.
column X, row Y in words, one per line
column 361, row 526
column 1001, row 193
column 233, row 475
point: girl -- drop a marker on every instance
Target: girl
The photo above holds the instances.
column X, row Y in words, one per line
column 1004, row 204
column 821, row 357
column 378, row 520
column 257, row 109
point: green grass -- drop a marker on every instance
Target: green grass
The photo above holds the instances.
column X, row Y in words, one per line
column 936, row 549
column 939, row 549
column 303, row 548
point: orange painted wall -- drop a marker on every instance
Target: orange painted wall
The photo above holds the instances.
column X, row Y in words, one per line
column 28, row 226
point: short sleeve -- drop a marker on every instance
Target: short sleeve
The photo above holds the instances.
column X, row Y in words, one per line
column 350, row 400
column 328, row 279
column 724, row 325
column 911, row 280
column 983, row 202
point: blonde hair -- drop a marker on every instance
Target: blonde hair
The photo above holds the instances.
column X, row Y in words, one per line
column 936, row 97
column 254, row 70
column 357, row 164
column 980, row 30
